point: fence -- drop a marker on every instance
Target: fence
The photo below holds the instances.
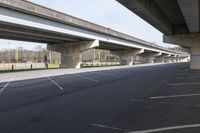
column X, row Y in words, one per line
column 30, row 66
column 25, row 66
column 99, row 64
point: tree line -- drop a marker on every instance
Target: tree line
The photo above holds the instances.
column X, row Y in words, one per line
column 20, row 55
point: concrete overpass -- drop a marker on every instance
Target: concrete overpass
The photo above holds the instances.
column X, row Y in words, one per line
column 26, row 21
column 179, row 20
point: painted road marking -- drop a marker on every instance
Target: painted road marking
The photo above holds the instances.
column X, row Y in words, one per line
column 54, row 82
column 167, row 128
column 88, row 78
column 177, row 84
column 107, row 127
column 175, row 96
column 6, row 85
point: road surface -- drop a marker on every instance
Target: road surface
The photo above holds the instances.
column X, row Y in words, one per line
column 148, row 99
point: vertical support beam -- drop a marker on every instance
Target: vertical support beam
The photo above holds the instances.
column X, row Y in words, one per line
column 134, row 53
column 168, row 58
column 125, row 54
column 195, row 58
column 150, row 57
column 172, row 58
column 161, row 58
column 71, row 52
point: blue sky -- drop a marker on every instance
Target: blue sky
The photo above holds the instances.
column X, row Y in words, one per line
column 108, row 13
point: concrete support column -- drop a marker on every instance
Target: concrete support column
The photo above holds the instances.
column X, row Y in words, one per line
column 191, row 41
column 125, row 55
column 171, row 58
column 133, row 54
column 175, row 58
column 150, row 57
column 179, row 58
column 195, row 58
column 160, row 59
column 71, row 52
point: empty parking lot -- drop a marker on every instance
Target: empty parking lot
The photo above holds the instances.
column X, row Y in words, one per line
column 159, row 98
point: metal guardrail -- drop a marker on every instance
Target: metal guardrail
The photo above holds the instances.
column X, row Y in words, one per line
column 99, row 64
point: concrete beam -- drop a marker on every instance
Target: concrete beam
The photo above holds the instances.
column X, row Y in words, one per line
column 190, row 11
column 186, row 40
column 36, row 16
column 169, row 55
column 14, row 29
column 149, row 11
column 28, row 38
column 41, row 27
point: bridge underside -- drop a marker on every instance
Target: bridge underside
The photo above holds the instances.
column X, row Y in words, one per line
column 178, row 20
column 71, row 47
column 72, row 40
column 22, row 33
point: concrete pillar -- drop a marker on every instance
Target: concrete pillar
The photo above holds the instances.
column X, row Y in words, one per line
column 133, row 54
column 174, row 58
column 179, row 58
column 191, row 41
column 124, row 55
column 150, row 57
column 160, row 59
column 171, row 58
column 71, row 52
column 195, row 58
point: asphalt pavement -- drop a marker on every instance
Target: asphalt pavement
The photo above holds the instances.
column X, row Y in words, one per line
column 161, row 98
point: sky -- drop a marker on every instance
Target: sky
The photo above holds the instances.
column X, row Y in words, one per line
column 108, row 13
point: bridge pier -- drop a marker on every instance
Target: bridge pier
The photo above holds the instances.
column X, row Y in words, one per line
column 71, row 52
column 134, row 55
column 161, row 59
column 170, row 58
column 123, row 56
column 127, row 56
column 150, row 57
column 191, row 41
column 195, row 57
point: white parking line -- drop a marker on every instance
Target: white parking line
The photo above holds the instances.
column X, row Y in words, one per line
column 108, row 127
column 54, row 82
column 167, row 128
column 177, row 84
column 175, row 96
column 84, row 77
column 6, row 85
